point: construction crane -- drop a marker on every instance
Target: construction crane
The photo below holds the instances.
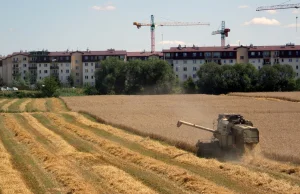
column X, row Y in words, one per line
column 224, row 33
column 153, row 25
column 281, row 6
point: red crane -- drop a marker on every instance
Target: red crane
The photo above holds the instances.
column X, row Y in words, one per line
column 153, row 25
column 224, row 33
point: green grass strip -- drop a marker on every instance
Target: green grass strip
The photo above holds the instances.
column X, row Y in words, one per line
column 15, row 107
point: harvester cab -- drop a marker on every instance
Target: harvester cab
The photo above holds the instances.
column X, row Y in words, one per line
column 232, row 134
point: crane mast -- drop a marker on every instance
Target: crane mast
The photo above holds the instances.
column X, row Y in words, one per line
column 224, row 33
column 275, row 7
column 153, row 25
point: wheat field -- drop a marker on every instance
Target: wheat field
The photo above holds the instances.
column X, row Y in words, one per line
column 46, row 148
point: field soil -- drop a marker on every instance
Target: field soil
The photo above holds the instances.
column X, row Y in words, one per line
column 45, row 148
column 278, row 121
column 288, row 96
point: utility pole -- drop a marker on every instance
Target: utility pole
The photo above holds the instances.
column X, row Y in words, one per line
column 296, row 23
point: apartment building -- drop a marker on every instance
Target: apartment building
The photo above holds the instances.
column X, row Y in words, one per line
column 40, row 64
column 186, row 61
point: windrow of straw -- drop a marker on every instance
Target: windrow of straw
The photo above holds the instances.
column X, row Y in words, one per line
column 180, row 176
column 39, row 104
column 236, row 172
column 10, row 179
column 22, row 107
column 91, row 161
column 60, row 168
column 4, row 108
column 57, row 105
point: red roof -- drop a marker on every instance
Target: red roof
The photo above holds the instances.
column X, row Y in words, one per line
column 144, row 54
column 52, row 54
column 105, row 53
column 274, row 48
column 198, row 49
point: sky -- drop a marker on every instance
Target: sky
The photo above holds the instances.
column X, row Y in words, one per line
column 58, row 25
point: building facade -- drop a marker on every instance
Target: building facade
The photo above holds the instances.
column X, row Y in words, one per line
column 186, row 61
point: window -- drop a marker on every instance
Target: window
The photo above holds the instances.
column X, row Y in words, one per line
column 297, row 67
column 230, row 54
column 253, row 61
column 297, row 74
column 176, row 62
column 176, row 76
column 207, row 54
column 25, row 70
column 45, row 58
column 184, row 61
column 194, row 76
column 86, row 77
column 92, row 77
column 282, row 60
column 168, row 55
column 92, row 64
column 290, row 53
column 40, row 77
column 184, row 68
column 61, row 70
column 224, row 61
column 45, row 65
column 258, row 67
column 86, row 70
column 40, row 71
column 258, row 60
column 92, row 70
column 67, row 71
column 194, row 54
column 252, row 54
column 241, row 57
column 40, row 65
column 67, row 58
column 290, row 60
column 24, row 58
column 184, row 76
column 176, row 68
column 86, row 57
column 200, row 54
column 77, row 67
column 176, row 54
column 194, row 68
column 231, row 61
column 258, row 53
column 77, row 74
column 194, row 61
column 297, row 53
column 76, row 61
column 77, row 80
column 184, row 54
column 86, row 64
column 24, row 65
column 45, row 71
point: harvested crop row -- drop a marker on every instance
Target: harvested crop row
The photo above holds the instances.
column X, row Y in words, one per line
column 185, row 179
column 10, row 179
column 40, row 105
column 7, row 104
column 91, row 161
column 54, row 164
column 235, row 171
column 22, row 107
column 121, row 181
column 57, row 105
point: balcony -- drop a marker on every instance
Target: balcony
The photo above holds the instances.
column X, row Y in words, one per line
column 54, row 67
column 33, row 67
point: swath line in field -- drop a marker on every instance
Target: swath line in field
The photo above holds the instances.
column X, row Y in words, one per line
column 4, row 108
column 150, row 179
column 22, row 107
column 57, row 166
column 13, row 108
column 35, row 177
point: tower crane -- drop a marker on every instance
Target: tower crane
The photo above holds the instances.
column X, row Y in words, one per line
column 282, row 6
column 224, row 33
column 153, row 25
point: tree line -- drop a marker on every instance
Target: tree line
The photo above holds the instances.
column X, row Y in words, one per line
column 155, row 76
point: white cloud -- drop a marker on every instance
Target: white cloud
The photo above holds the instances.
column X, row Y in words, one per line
column 172, row 42
column 272, row 11
column 263, row 21
column 290, row 26
column 104, row 8
column 243, row 6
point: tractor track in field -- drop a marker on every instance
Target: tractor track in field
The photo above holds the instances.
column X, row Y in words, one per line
column 44, row 148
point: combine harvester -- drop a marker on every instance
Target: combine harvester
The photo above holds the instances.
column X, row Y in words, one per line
column 232, row 136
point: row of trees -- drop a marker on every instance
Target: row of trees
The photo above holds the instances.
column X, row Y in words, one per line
column 152, row 76
column 218, row 79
